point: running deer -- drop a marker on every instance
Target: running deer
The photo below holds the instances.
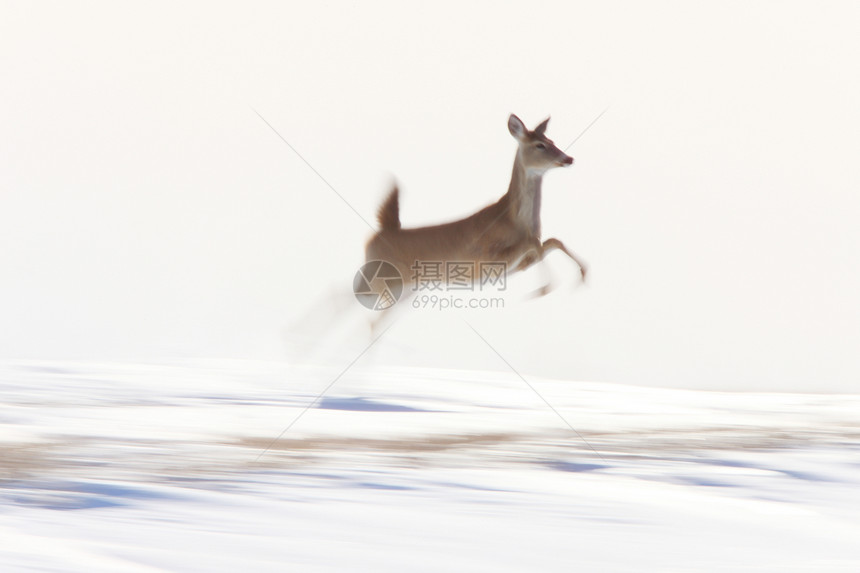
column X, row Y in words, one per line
column 508, row 231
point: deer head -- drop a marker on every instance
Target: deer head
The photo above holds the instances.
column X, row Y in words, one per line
column 537, row 152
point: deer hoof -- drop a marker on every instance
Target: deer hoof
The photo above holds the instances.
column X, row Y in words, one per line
column 542, row 291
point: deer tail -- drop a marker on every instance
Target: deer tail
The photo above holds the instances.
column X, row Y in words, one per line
column 389, row 212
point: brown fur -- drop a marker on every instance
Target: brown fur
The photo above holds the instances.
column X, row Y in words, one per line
column 508, row 231
column 389, row 212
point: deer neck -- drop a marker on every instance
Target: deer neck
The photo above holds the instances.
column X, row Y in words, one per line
column 523, row 197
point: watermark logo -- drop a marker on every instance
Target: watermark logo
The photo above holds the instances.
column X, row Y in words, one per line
column 450, row 276
column 445, row 302
column 377, row 285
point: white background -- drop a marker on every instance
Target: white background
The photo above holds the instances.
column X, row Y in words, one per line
column 147, row 213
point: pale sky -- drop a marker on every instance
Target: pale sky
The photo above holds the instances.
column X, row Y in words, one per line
column 147, row 213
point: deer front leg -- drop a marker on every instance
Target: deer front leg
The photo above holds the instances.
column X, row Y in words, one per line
column 554, row 243
column 530, row 253
column 544, row 290
column 533, row 255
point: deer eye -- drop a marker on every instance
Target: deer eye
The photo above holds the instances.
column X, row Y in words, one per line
column 540, row 146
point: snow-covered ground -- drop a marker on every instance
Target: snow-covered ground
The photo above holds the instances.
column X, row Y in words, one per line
column 112, row 467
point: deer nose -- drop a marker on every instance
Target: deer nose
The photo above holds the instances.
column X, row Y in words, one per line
column 568, row 160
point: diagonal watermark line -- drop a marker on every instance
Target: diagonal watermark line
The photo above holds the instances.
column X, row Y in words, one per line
column 318, row 174
column 587, row 127
column 323, row 393
column 533, row 389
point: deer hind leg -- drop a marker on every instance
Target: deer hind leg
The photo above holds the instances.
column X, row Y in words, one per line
column 553, row 243
column 386, row 317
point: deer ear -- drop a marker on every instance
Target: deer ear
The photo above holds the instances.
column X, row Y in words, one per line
column 517, row 127
column 539, row 130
